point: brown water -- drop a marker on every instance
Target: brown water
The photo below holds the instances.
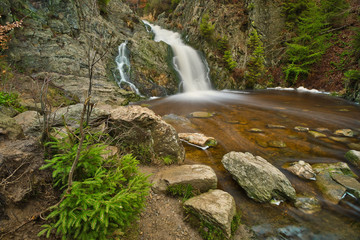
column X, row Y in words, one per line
column 237, row 112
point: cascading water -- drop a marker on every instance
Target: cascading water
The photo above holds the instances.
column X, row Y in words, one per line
column 193, row 72
column 123, row 66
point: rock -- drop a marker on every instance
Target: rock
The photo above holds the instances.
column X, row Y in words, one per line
column 256, row 130
column 137, row 125
column 307, row 204
column 301, row 129
column 201, row 115
column 262, row 143
column 353, row 157
column 339, row 139
column 322, row 129
column 179, row 120
column 30, row 122
column 198, row 139
column 200, row 177
column 216, row 206
column 277, row 144
column 317, row 134
column 339, row 167
column 350, row 183
column 261, row 180
column 275, row 126
column 8, row 111
column 344, row 132
column 9, row 128
column 355, row 146
column 302, row 169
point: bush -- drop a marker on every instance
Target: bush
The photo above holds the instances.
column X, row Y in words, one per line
column 230, row 63
column 356, row 46
column 106, row 196
column 352, row 85
column 10, row 100
column 206, row 27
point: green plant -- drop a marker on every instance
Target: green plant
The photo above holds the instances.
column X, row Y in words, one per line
column 168, row 160
column 352, row 85
column 10, row 100
column 142, row 151
column 185, row 191
column 356, row 45
column 206, row 27
column 230, row 63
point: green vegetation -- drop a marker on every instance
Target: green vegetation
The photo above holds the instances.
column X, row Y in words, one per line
column 255, row 65
column 159, row 6
column 142, row 152
column 231, row 64
column 168, row 160
column 356, row 46
column 185, row 191
column 10, row 100
column 206, row 27
column 105, row 197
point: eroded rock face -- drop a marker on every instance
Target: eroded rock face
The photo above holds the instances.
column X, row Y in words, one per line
column 9, row 129
column 215, row 206
column 261, row 180
column 139, row 125
column 200, row 177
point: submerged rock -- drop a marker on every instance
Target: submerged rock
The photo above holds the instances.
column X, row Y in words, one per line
column 261, row 180
column 339, row 139
column 321, row 129
column 302, row 169
column 256, row 130
column 301, row 129
column 307, row 204
column 353, row 157
column 317, row 134
column 354, row 146
column 277, row 144
column 198, row 139
column 216, row 206
column 344, row 132
column 275, row 126
column 200, row 177
column 201, row 115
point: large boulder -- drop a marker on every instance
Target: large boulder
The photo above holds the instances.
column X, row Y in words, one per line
column 353, row 157
column 200, row 177
column 140, row 126
column 261, row 180
column 9, row 129
column 30, row 122
column 216, row 206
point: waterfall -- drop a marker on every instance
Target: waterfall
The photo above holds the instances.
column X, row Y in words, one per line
column 194, row 73
column 123, row 66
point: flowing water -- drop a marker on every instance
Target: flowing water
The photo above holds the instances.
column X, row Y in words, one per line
column 236, row 113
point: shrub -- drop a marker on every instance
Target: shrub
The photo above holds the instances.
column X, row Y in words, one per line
column 185, row 191
column 10, row 100
column 106, row 196
column 356, row 45
column 206, row 27
column 352, row 85
column 230, row 63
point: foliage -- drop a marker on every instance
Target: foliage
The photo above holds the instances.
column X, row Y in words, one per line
column 4, row 30
column 231, row 64
column 106, row 196
column 223, row 43
column 356, row 45
column 334, row 10
column 168, row 160
column 352, row 85
column 255, row 65
column 10, row 100
column 185, row 191
column 206, row 27
column 141, row 151
column 292, row 9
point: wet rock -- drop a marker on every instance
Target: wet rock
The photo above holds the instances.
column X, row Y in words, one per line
column 179, row 120
column 256, row 130
column 277, row 144
column 215, row 206
column 321, row 129
column 138, row 125
column 355, row 146
column 200, row 177
column 350, row 183
column 275, row 126
column 302, row 169
column 317, row 134
column 353, row 157
column 198, row 139
column 339, row 139
column 301, row 129
column 261, row 180
column 201, row 115
column 307, row 204
column 344, row 132
column 262, row 143
column 339, row 167
column 9, row 129
column 30, row 122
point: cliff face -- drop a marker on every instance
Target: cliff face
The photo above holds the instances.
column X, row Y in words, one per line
column 58, row 36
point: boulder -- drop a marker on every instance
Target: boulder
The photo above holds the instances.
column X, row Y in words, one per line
column 138, row 125
column 350, row 183
column 198, row 139
column 261, row 180
column 200, row 177
column 353, row 157
column 8, row 111
column 9, row 128
column 302, row 169
column 344, row 132
column 30, row 122
column 216, row 206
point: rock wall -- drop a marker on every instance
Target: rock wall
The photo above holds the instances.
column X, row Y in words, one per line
column 58, row 35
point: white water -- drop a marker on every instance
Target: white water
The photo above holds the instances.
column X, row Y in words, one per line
column 193, row 72
column 123, row 66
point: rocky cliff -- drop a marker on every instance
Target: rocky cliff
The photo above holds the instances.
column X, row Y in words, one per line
column 58, row 38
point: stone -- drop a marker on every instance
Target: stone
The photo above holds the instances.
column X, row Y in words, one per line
column 302, row 169
column 339, row 167
column 137, row 125
column 198, row 139
column 200, row 177
column 344, row 132
column 354, row 146
column 30, row 122
column 275, row 126
column 277, row 144
column 215, row 206
column 316, row 134
column 301, row 129
column 262, row 143
column 307, row 204
column 261, row 180
column 178, row 120
column 9, row 129
column 353, row 157
column 339, row 139
column 201, row 115
column 350, row 183
column 321, row 129
column 256, row 130
column 8, row 111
